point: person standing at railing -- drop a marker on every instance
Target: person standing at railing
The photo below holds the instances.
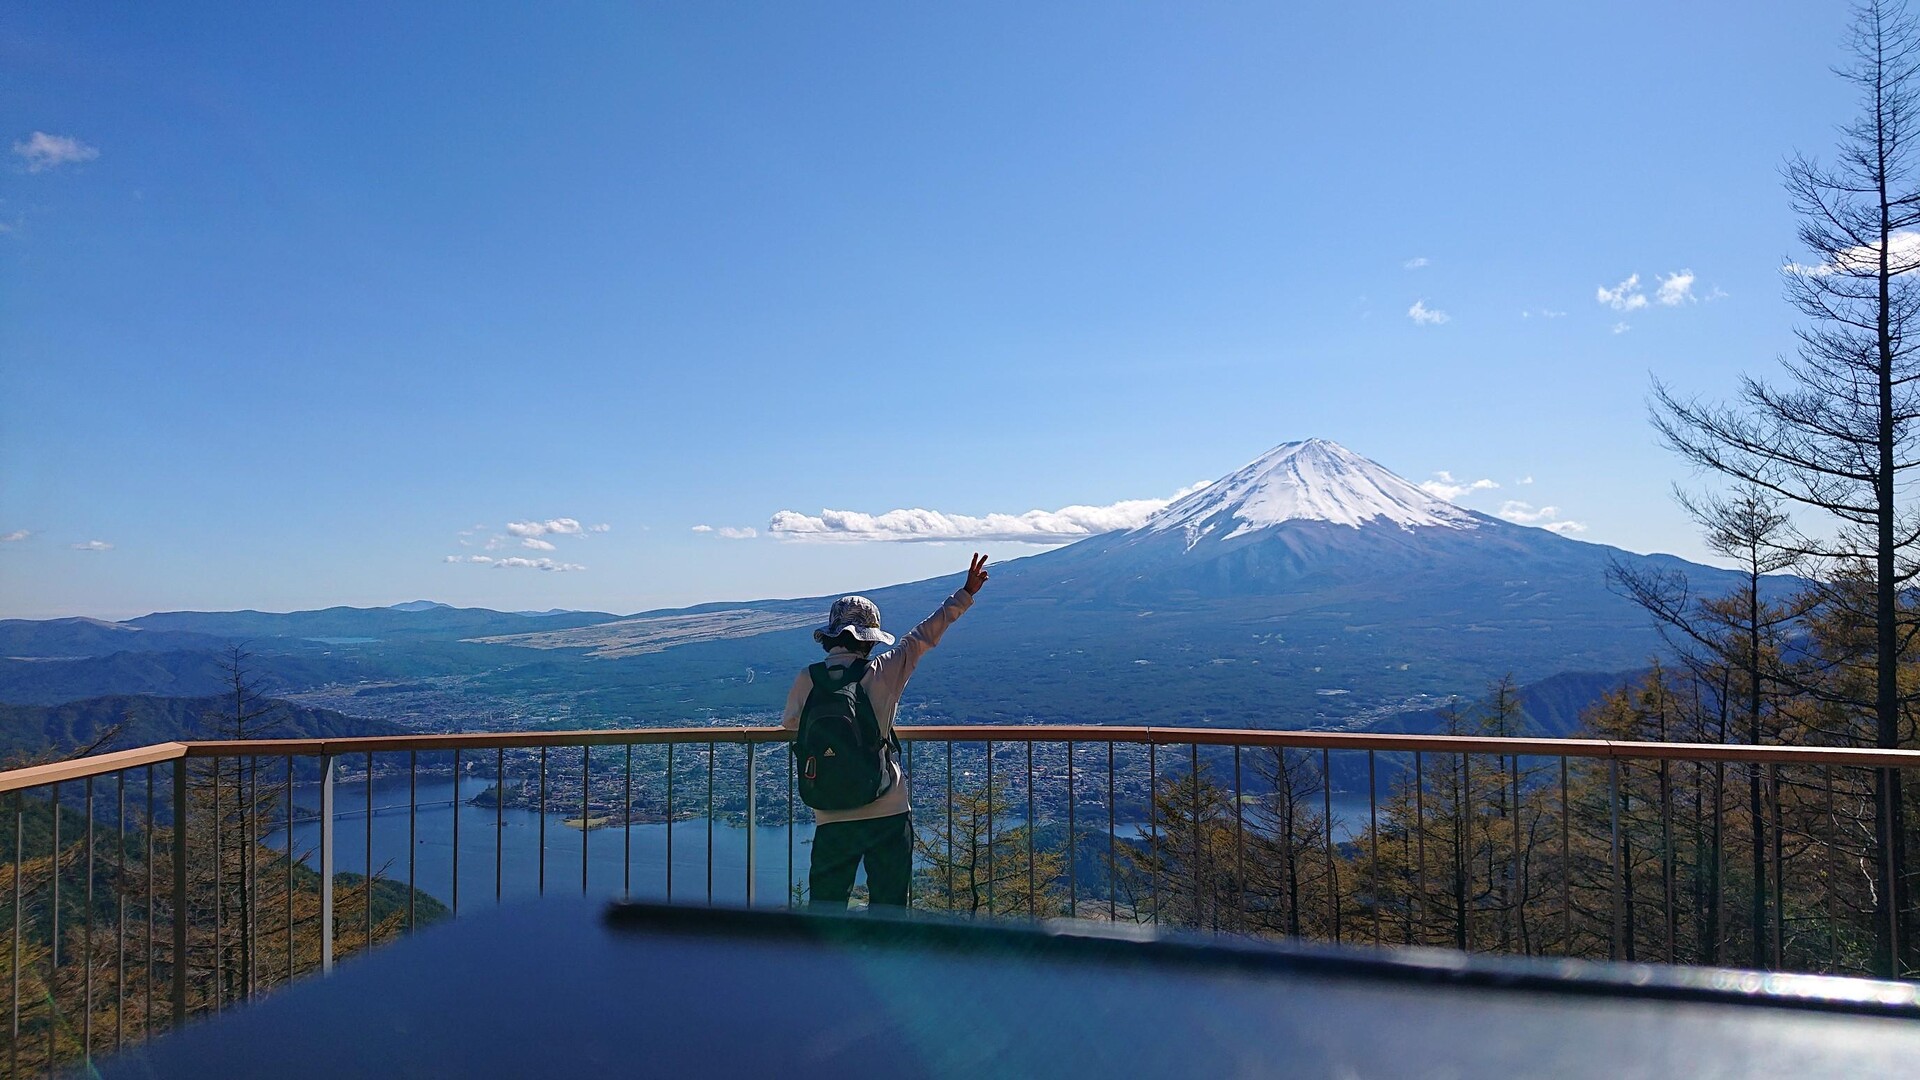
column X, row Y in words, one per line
column 847, row 759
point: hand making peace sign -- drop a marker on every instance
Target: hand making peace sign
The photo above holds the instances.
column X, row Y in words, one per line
column 976, row 573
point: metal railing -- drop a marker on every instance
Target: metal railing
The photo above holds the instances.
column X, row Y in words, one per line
column 150, row 885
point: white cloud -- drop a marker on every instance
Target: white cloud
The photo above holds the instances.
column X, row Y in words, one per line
column 1545, row 517
column 536, row 544
column 728, row 533
column 559, row 526
column 1621, row 328
column 1625, row 296
column 703, row 528
column 42, row 151
column 1524, row 481
column 1676, row 289
column 1544, row 313
column 1414, row 264
column 517, row 563
column 1444, row 486
column 602, row 527
column 1047, row 527
column 15, row 536
column 93, row 545
column 1903, row 256
column 1420, row 314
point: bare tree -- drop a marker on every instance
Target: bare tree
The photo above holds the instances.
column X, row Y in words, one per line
column 1838, row 437
column 1739, row 634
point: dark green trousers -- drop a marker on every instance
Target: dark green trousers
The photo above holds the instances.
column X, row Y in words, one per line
column 884, row 844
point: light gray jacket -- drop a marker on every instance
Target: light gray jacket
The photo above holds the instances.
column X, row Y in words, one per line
column 885, row 680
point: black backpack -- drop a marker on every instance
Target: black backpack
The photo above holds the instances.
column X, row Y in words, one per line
column 841, row 758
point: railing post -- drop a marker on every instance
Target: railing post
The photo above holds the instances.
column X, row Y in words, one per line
column 327, row 769
column 179, row 891
column 1613, row 851
column 751, row 802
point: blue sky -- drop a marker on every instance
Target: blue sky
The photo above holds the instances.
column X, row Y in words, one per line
column 294, row 301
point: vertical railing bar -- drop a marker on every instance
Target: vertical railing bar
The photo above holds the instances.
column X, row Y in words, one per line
column 1613, row 850
column 1719, row 849
column 120, row 920
column 1669, row 918
column 913, row 834
column 58, row 853
column 949, row 826
column 1519, row 868
column 586, row 778
column 991, row 803
column 710, row 770
column 19, row 900
column 413, row 813
column 179, row 970
column 146, row 1028
column 1193, row 779
column 287, row 814
column 1464, row 863
column 1779, row 872
column 250, row 880
column 669, row 822
column 791, row 814
column 457, row 804
column 499, row 818
column 1326, row 792
column 1566, row 864
column 1073, row 841
column 626, row 829
column 1113, row 863
column 543, row 821
column 329, row 766
column 1153, row 825
column 53, row 956
column 1373, row 845
column 1406, row 912
column 146, row 1025
column 219, row 894
column 1033, row 897
column 86, row 943
column 1831, row 873
column 1239, row 849
column 367, row 882
column 1420, row 845
column 752, row 820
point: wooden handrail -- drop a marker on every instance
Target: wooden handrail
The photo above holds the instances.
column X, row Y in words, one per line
column 1805, row 756
column 81, row 768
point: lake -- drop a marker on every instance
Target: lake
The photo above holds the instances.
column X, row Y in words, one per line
column 614, row 856
column 619, row 861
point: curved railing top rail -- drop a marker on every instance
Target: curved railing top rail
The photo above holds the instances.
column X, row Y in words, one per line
column 1816, row 756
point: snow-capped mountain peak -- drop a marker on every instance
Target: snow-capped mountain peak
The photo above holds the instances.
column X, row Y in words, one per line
column 1310, row 480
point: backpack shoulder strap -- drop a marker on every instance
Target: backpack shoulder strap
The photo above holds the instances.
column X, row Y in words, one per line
column 821, row 675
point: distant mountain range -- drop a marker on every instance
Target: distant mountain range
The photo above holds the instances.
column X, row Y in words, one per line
column 1311, row 587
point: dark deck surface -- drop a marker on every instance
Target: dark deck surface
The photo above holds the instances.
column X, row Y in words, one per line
column 563, row 989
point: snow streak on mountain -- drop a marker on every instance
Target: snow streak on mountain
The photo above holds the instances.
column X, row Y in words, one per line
column 1312, row 480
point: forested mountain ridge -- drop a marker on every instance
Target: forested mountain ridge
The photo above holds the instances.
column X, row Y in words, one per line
column 141, row 720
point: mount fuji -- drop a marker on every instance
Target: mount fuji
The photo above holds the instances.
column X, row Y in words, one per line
column 1310, row 587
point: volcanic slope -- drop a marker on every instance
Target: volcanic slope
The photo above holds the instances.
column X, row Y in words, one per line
column 1311, row 587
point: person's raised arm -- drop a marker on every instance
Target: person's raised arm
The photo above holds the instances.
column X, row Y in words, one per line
column 896, row 666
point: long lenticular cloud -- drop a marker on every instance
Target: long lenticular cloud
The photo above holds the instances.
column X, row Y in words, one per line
column 1047, row 527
